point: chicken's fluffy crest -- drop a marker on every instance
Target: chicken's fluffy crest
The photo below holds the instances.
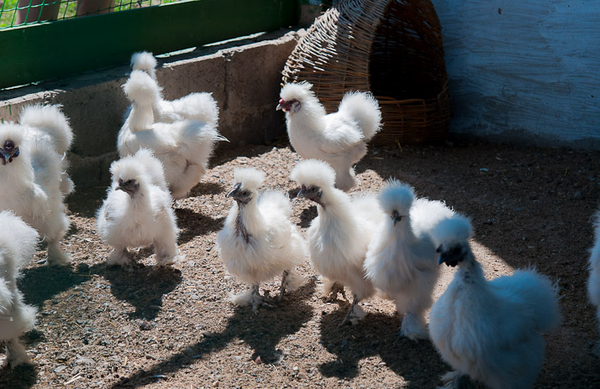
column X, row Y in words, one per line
column 396, row 196
column 250, row 178
column 128, row 168
column 144, row 61
column 313, row 172
column 456, row 229
column 13, row 132
column 300, row 91
column 142, row 88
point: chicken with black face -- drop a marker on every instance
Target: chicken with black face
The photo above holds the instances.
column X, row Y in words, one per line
column 258, row 240
column 490, row 331
column 137, row 211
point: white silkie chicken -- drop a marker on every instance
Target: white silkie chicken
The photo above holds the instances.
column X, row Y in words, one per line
column 594, row 280
column 339, row 138
column 491, row 331
column 34, row 182
column 200, row 106
column 258, row 240
column 17, row 245
column 184, row 145
column 402, row 258
column 338, row 238
column 137, row 211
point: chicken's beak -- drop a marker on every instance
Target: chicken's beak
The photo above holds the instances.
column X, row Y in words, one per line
column 129, row 187
column 9, row 151
column 396, row 217
column 235, row 190
column 302, row 192
column 281, row 105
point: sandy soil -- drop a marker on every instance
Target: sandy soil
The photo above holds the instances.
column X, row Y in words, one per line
column 102, row 327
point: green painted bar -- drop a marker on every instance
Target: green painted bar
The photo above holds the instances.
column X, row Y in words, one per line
column 57, row 49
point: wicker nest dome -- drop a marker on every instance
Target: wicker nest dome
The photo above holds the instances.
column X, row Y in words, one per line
column 392, row 48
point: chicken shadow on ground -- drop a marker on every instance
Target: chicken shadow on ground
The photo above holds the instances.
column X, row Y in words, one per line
column 39, row 284
column 21, row 377
column 262, row 333
column 192, row 224
column 206, row 188
column 85, row 203
column 377, row 334
column 308, row 215
column 143, row 287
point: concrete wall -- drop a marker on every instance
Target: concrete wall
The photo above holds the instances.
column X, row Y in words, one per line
column 243, row 75
column 524, row 71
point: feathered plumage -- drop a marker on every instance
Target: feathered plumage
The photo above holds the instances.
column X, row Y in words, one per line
column 491, row 331
column 34, row 181
column 339, row 236
column 17, row 246
column 181, row 133
column 339, row 138
column 199, row 106
column 137, row 210
column 258, row 240
column 402, row 259
column 594, row 280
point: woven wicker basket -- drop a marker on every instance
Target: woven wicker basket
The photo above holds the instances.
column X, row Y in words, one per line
column 392, row 48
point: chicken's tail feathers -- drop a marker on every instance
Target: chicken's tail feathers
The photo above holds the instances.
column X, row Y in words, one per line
column 144, row 61
column 202, row 106
column 275, row 202
column 51, row 120
column 364, row 108
column 427, row 214
column 455, row 229
column 538, row 292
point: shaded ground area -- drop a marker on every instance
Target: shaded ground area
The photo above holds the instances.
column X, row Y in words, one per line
column 102, row 327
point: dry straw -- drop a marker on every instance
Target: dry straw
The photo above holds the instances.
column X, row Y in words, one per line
column 392, row 48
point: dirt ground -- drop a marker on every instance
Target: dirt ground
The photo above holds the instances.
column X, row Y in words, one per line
column 102, row 327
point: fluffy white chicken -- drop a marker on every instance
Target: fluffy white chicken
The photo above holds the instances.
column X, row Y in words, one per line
column 402, row 258
column 200, row 106
column 17, row 246
column 338, row 238
column 594, row 280
column 339, row 138
column 258, row 240
column 490, row 331
column 34, row 181
column 182, row 137
column 137, row 211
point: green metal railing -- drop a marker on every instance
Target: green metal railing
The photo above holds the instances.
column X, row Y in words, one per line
column 21, row 12
column 55, row 49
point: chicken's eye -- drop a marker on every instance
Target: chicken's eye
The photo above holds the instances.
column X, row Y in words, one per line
column 245, row 193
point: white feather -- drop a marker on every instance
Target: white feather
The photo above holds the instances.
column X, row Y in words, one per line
column 17, row 246
column 338, row 138
column 492, row 331
column 141, row 219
